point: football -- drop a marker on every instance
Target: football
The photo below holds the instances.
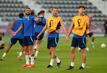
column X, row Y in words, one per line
column 103, row 45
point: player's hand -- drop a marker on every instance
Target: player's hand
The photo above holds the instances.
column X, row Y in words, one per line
column 67, row 38
column 38, row 36
column 13, row 33
column 38, row 20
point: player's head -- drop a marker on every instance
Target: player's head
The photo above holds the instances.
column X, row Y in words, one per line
column 54, row 11
column 21, row 15
column 81, row 9
column 27, row 11
column 42, row 12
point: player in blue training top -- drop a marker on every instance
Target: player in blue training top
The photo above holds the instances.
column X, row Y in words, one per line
column 16, row 32
column 29, row 33
column 40, row 23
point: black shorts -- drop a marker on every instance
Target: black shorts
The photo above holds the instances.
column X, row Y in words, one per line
column 90, row 34
column 14, row 40
column 41, row 36
column 79, row 42
column 52, row 42
column 28, row 40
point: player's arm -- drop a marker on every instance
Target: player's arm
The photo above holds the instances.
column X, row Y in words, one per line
column 11, row 26
column 70, row 29
column 37, row 20
column 43, row 30
column 87, row 26
column 63, row 27
column 19, row 29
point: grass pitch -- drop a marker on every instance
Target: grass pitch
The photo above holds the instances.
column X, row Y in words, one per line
column 96, row 59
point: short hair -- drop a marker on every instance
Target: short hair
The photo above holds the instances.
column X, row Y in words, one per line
column 21, row 15
column 27, row 8
column 40, row 12
column 81, row 6
column 54, row 8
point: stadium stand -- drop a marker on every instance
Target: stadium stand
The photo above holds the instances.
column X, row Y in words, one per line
column 104, row 0
column 67, row 8
column 10, row 8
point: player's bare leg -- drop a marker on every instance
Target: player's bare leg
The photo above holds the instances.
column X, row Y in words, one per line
column 21, row 53
column 83, row 53
column 53, row 57
column 87, row 49
column 36, row 48
column 72, row 57
column 27, row 56
column 31, row 55
column 6, row 51
column 52, row 54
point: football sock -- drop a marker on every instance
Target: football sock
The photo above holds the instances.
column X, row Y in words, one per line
column 51, row 62
column 58, row 60
column 36, row 54
column 27, row 59
column 32, row 60
column 83, row 65
column 4, row 54
column 72, row 63
column 20, row 54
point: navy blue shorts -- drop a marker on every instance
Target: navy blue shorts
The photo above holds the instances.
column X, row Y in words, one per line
column 28, row 40
column 41, row 36
column 52, row 42
column 14, row 41
column 79, row 42
column 90, row 34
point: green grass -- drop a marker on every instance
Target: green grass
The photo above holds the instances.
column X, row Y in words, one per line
column 96, row 59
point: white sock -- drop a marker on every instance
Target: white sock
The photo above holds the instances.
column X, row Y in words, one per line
column 58, row 60
column 83, row 65
column 20, row 54
column 72, row 63
column 27, row 59
column 36, row 54
column 87, row 49
column 51, row 62
column 4, row 54
column 79, row 48
column 32, row 60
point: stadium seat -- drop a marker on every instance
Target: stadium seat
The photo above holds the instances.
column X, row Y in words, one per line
column 68, row 8
column 9, row 8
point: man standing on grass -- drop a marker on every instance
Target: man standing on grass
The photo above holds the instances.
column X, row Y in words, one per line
column 53, row 24
column 39, row 25
column 28, row 26
column 78, row 27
